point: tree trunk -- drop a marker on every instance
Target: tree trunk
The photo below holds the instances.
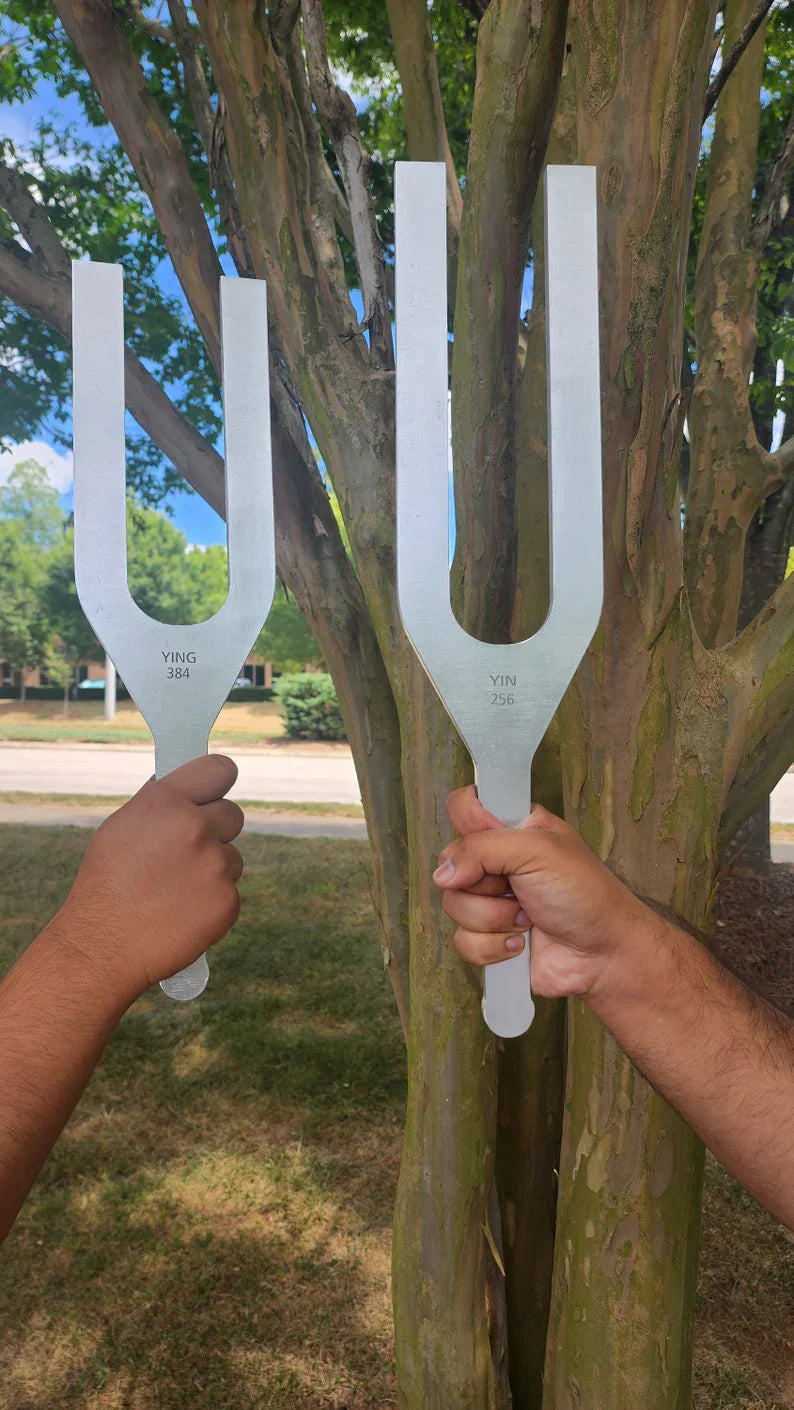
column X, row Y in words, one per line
column 642, row 794
column 22, row 688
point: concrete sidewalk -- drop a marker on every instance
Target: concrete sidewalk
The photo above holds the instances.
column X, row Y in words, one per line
column 277, row 824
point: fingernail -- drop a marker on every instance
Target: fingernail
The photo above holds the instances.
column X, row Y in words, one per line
column 522, row 919
column 444, row 872
column 514, row 943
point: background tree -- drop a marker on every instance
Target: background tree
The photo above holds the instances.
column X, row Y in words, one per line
column 31, row 523
column 72, row 640
column 285, row 638
column 229, row 120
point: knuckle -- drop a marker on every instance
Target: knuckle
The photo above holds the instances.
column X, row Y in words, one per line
column 469, row 946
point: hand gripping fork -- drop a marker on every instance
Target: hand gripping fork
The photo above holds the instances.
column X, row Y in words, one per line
column 501, row 698
column 179, row 676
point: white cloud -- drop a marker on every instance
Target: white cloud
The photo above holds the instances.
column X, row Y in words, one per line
column 58, row 466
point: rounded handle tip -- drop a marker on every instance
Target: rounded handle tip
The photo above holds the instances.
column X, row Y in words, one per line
column 507, row 1005
column 188, row 983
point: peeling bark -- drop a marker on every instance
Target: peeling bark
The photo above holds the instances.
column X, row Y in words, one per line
column 729, row 469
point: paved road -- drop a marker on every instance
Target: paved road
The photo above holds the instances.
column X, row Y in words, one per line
column 782, row 806
column 100, row 769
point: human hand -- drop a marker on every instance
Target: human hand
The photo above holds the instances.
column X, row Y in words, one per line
column 158, row 883
column 498, row 882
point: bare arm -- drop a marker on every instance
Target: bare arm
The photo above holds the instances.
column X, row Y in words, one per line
column 721, row 1056
column 157, row 886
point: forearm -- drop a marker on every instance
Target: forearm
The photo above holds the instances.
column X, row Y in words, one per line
column 721, row 1055
column 57, row 1011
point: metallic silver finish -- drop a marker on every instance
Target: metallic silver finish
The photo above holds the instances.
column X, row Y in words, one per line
column 179, row 676
column 501, row 698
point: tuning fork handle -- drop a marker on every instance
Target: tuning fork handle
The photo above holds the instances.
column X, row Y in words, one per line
column 170, row 755
column 507, row 1004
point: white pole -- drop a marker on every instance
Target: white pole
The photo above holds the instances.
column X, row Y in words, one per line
column 110, row 689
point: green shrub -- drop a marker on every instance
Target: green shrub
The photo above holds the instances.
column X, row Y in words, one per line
column 310, row 705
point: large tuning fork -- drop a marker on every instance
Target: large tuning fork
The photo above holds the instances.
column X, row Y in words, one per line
column 179, row 676
column 501, row 698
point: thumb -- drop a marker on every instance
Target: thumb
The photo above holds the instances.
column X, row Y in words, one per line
column 495, row 852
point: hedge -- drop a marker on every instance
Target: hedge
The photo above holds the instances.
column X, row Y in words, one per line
column 310, row 705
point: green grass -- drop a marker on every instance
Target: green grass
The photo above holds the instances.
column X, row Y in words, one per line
column 255, row 805
column 212, row 1230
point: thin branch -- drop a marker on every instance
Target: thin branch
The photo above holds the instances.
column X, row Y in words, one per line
column 520, row 52
column 338, row 116
column 423, row 110
column 732, row 58
column 50, row 298
column 152, row 27
column 211, row 129
column 772, row 210
column 17, row 198
column 762, row 661
column 156, row 154
column 784, row 455
column 282, row 17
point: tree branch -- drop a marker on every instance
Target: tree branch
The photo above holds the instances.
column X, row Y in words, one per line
column 761, row 660
column 730, row 472
column 17, row 198
column 156, row 155
column 338, row 116
column 283, row 16
column 50, row 298
column 152, row 27
column 519, row 65
column 769, row 214
column 210, row 126
column 784, row 456
column 734, row 54
column 423, row 110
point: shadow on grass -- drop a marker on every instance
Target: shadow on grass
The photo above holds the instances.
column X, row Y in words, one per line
column 212, row 1229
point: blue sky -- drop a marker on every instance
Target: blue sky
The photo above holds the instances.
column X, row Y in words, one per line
column 199, row 523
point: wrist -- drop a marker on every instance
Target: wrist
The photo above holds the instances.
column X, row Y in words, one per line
column 637, row 941
column 78, row 945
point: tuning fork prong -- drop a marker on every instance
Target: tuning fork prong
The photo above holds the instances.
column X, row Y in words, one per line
column 178, row 676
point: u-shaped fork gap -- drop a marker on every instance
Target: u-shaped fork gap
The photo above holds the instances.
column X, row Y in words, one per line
column 100, row 477
column 574, row 430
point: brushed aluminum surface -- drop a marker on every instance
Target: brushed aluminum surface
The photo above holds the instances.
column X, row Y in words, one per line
column 501, row 698
column 178, row 676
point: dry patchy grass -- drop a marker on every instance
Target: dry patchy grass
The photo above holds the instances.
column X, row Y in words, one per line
column 240, row 722
column 213, row 1228
column 212, row 1231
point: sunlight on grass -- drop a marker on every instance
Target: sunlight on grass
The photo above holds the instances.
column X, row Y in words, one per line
column 213, row 1229
column 239, row 722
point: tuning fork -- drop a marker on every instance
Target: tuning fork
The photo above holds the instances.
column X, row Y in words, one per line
column 501, row 698
column 178, row 676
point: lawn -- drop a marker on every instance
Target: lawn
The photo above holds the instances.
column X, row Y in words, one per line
column 240, row 722
column 212, row 1232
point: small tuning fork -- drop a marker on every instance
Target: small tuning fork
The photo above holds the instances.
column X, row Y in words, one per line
column 179, row 676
